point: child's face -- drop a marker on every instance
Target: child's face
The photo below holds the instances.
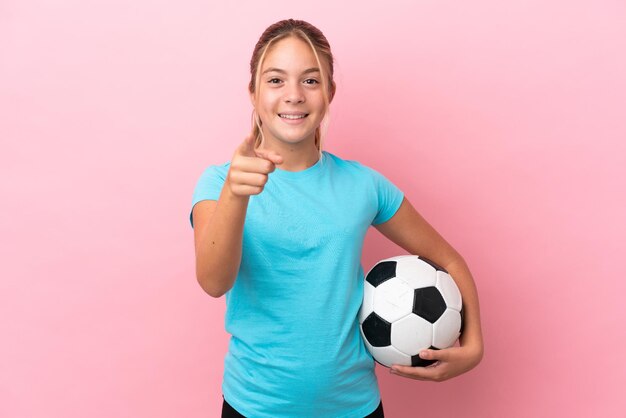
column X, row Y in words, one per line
column 293, row 90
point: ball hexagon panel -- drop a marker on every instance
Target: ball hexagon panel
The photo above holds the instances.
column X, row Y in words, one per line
column 416, row 273
column 449, row 290
column 447, row 329
column 387, row 356
column 411, row 334
column 428, row 303
column 367, row 306
column 393, row 299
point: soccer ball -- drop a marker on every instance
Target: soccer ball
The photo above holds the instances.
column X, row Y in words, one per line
column 409, row 304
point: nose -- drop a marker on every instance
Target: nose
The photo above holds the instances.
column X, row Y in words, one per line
column 294, row 94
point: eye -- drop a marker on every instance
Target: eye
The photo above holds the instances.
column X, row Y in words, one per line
column 272, row 79
column 312, row 79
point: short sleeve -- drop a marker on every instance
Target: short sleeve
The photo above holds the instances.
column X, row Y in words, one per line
column 209, row 186
column 389, row 198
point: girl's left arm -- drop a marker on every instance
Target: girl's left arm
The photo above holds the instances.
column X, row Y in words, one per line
column 408, row 229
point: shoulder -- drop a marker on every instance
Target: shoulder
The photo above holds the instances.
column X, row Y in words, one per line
column 355, row 168
column 348, row 164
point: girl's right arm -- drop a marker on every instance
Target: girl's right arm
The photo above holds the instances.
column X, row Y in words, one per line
column 218, row 224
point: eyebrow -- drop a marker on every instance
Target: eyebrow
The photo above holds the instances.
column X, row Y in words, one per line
column 278, row 70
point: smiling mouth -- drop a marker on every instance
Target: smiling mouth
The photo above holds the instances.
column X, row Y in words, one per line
column 293, row 117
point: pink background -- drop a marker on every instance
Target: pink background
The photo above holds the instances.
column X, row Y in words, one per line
column 503, row 122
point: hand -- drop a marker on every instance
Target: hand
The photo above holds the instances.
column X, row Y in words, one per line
column 451, row 362
column 250, row 167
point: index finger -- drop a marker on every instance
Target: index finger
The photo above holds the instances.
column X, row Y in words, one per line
column 247, row 145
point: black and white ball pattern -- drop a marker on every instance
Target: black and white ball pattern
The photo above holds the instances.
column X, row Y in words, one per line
column 409, row 304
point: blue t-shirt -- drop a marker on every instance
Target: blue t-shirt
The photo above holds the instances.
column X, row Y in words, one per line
column 295, row 348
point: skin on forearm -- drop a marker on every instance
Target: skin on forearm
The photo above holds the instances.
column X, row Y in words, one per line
column 472, row 334
column 219, row 244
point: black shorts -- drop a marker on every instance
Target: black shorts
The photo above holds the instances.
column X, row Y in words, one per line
column 230, row 412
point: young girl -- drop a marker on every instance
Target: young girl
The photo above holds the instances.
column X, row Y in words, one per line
column 279, row 230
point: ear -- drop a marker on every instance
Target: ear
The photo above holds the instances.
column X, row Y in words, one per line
column 333, row 88
column 251, row 98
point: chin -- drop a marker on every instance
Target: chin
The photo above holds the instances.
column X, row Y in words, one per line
column 295, row 139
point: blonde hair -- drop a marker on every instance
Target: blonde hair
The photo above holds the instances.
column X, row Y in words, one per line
column 319, row 45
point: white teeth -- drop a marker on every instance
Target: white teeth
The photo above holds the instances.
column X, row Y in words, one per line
column 291, row 116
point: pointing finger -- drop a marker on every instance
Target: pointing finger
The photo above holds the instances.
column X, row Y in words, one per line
column 247, row 146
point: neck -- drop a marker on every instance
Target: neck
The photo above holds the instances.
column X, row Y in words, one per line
column 296, row 157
